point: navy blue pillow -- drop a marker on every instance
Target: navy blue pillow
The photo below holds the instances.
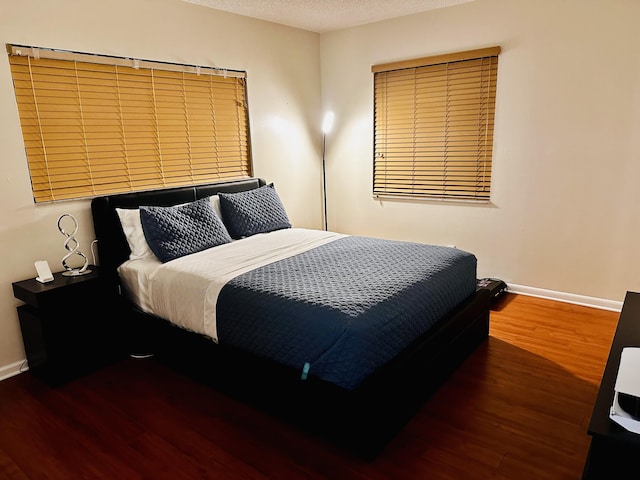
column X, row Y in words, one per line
column 174, row 232
column 253, row 211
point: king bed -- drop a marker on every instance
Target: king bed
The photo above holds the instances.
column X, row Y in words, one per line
column 344, row 335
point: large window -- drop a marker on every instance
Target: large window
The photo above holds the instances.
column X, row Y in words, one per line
column 433, row 126
column 94, row 124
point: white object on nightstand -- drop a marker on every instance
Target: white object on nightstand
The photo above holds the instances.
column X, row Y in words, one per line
column 44, row 272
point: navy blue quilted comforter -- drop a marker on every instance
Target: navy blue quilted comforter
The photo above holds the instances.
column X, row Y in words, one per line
column 341, row 310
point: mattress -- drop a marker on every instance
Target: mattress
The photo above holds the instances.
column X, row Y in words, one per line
column 332, row 306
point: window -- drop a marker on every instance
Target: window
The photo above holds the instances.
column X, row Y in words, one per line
column 94, row 125
column 433, row 126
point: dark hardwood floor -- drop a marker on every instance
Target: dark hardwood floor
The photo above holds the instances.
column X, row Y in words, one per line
column 518, row 409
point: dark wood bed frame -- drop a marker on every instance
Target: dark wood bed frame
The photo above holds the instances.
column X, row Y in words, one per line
column 362, row 421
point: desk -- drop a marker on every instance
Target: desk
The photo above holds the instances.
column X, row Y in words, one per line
column 614, row 452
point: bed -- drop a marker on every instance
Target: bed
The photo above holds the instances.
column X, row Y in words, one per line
column 345, row 336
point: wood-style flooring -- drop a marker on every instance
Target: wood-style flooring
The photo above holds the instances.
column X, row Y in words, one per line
column 517, row 409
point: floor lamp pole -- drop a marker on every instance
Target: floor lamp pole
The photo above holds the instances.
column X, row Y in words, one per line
column 327, row 123
column 324, row 182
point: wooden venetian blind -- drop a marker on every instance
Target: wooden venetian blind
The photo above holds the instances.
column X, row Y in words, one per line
column 433, row 126
column 94, row 125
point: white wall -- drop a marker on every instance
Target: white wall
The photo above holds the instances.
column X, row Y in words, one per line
column 565, row 213
column 282, row 67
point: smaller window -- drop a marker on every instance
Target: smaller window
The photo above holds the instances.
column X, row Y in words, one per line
column 433, row 126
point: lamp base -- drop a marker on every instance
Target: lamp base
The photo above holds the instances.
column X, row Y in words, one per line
column 75, row 273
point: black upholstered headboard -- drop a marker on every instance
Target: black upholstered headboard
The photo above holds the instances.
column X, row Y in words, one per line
column 113, row 248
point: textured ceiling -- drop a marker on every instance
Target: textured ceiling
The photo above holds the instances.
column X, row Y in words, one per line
column 322, row 16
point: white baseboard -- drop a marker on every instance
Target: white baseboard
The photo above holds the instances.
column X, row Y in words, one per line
column 9, row 371
column 583, row 300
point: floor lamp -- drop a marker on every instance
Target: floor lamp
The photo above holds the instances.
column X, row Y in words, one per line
column 327, row 123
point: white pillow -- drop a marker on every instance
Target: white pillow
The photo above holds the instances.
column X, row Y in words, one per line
column 215, row 202
column 132, row 227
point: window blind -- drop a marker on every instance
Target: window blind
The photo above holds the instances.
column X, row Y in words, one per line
column 94, row 125
column 433, row 126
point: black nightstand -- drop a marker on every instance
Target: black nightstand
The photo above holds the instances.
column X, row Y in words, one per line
column 70, row 326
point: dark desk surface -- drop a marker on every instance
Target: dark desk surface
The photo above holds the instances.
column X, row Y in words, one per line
column 627, row 335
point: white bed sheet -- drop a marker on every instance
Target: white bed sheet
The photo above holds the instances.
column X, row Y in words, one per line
column 185, row 290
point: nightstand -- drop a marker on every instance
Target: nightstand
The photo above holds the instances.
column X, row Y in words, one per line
column 70, row 326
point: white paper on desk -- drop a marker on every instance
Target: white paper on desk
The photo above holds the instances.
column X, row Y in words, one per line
column 627, row 381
